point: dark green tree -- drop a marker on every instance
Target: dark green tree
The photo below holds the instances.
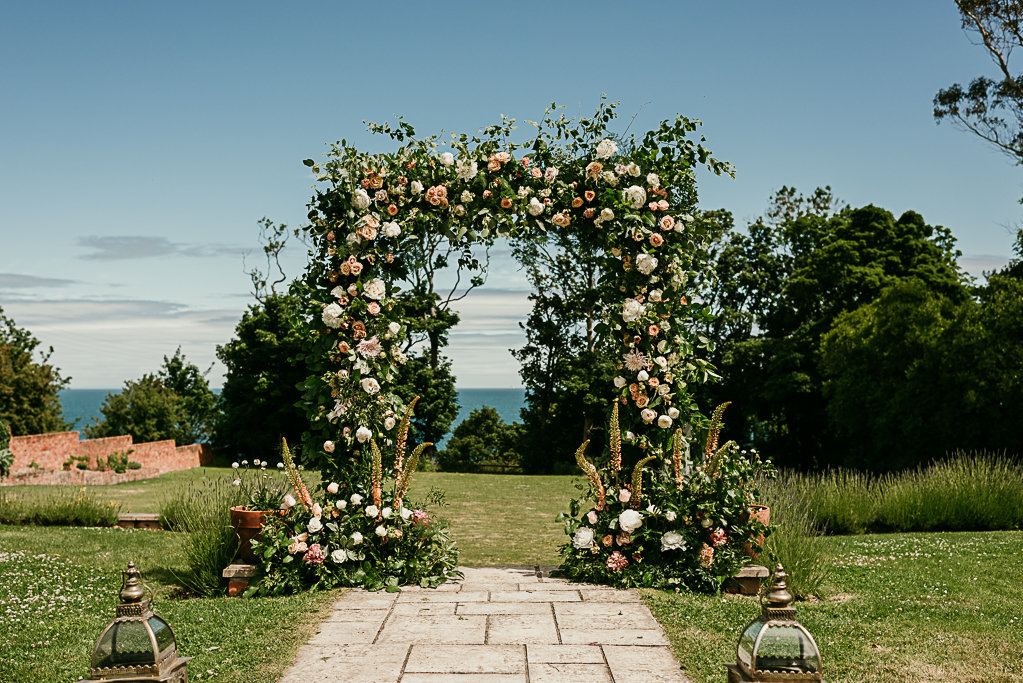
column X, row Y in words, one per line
column 438, row 400
column 29, row 387
column 798, row 268
column 480, row 440
column 990, row 108
column 174, row 404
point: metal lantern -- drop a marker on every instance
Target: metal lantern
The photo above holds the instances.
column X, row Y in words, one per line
column 776, row 647
column 137, row 645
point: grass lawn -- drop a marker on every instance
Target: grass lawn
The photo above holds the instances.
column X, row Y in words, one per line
column 940, row 607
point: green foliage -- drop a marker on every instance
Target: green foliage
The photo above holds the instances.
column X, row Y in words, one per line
column 780, row 289
column 260, row 399
column 63, row 506
column 6, row 456
column 796, row 540
column 203, row 511
column 261, row 490
column 29, row 389
column 175, row 404
column 482, row 441
column 118, row 461
column 438, row 400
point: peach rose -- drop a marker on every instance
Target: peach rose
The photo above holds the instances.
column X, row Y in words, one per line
column 589, row 194
column 656, row 240
column 506, row 203
column 667, row 223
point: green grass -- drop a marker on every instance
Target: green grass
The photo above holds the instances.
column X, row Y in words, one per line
column 898, row 608
column 58, row 589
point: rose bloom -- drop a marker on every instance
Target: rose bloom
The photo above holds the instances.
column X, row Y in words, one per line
column 706, row 556
column 592, row 516
column 328, row 446
column 606, row 148
column 629, row 521
column 360, row 200
column 354, row 266
column 589, row 213
column 314, row 525
column 663, row 205
column 648, row 415
column 506, row 203
column 289, row 500
column 672, row 540
column 667, row 223
column 339, row 555
column 535, row 172
column 652, row 206
column 561, row 220
column 362, row 434
column 619, row 382
column 663, row 421
column 589, row 195
column 372, row 511
column 356, row 538
column 375, row 289
column 367, row 231
column 317, row 510
column 606, row 214
column 420, row 517
column 645, row 263
column 370, row 385
column 447, row 159
column 607, row 541
column 617, row 561
column 332, row 487
column 583, row 538
column 373, row 308
column 642, row 400
column 653, row 330
column 381, row 531
column 593, row 169
column 656, row 240
column 718, row 537
column 577, row 202
column 624, row 539
column 624, row 495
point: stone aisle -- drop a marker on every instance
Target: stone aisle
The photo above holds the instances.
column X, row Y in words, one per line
column 498, row 624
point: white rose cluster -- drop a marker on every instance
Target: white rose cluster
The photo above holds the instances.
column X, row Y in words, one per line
column 466, row 170
column 645, row 263
column 447, row 159
column 606, row 149
column 634, row 196
column 390, row 229
column 333, row 315
column 632, row 310
column 360, row 200
column 375, row 289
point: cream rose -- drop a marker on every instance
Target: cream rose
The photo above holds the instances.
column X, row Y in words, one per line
column 632, row 310
column 447, row 159
column 390, row 229
column 630, row 520
column 535, row 207
column 328, row 446
column 645, row 263
column 362, row 434
column 606, row 148
column 583, row 538
column 360, row 200
column 466, row 170
column 370, row 385
column 634, row 196
column 314, row 526
column 356, row 538
column 375, row 289
column 648, row 415
column 664, row 422
column 619, row 382
column 339, row 555
column 332, row 315
column 372, row 511
column 672, row 540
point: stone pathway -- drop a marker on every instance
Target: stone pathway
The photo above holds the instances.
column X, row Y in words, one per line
column 498, row 624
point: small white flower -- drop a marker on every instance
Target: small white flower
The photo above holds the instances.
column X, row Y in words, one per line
column 370, row 385
column 339, row 555
column 634, row 196
column 606, row 148
column 652, row 180
column 630, row 520
column 535, row 207
column 332, row 487
column 416, row 187
column 672, row 540
column 289, row 500
column 664, row 389
column 655, row 297
column 374, row 289
column 341, row 504
column 447, row 159
column 645, row 263
column 245, row 463
column 633, row 170
column 360, row 199
column 466, row 169
column 372, row 511
column 234, row 465
column 314, row 526
column 332, row 316
column 606, row 214
column 687, row 218
column 653, row 509
column 393, row 328
column 389, row 423
column 386, row 513
column 628, row 437
column 390, row 229
column 363, row 434
column 648, row 415
column 356, row 538
column 583, row 538
column 664, row 422
column 632, row 310
column 642, row 376
column 619, row 382
column 381, row 531
column 237, row 482
column 609, row 178
column 405, row 513
column 328, row 446
column 673, row 413
column 670, row 515
column 280, row 465
column 466, row 196
column 356, row 499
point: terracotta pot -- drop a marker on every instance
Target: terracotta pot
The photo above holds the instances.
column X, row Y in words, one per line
column 247, row 525
column 762, row 514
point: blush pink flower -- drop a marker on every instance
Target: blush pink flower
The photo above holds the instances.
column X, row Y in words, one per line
column 706, row 556
column 373, row 308
column 315, row 554
column 624, row 495
column 369, row 348
column 592, row 516
column 617, row 561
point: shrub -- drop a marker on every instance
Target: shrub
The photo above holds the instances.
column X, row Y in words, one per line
column 482, row 441
column 60, row 507
column 796, row 539
column 6, row 456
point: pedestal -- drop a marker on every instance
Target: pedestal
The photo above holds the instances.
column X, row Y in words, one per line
column 238, row 577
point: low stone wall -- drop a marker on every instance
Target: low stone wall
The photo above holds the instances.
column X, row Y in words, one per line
column 102, row 448
column 200, row 453
column 49, row 451
column 76, row 477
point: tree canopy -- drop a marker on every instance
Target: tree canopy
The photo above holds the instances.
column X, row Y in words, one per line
column 29, row 385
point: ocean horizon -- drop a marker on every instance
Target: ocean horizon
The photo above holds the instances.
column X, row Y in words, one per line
column 82, row 406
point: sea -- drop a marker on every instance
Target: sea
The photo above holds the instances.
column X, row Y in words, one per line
column 81, row 406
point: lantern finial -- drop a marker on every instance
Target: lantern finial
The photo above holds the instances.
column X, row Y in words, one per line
column 779, row 596
column 131, row 585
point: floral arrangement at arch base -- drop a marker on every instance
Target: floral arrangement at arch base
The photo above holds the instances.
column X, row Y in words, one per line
column 368, row 538
column 690, row 526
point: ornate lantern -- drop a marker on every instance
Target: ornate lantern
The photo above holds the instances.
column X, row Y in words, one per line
column 137, row 645
column 776, row 647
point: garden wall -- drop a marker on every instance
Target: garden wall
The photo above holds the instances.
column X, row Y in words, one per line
column 49, row 451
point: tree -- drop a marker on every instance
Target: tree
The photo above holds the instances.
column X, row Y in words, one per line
column 481, row 439
column 174, row 404
column 261, row 399
column 29, row 389
column 990, row 108
column 801, row 266
column 437, row 407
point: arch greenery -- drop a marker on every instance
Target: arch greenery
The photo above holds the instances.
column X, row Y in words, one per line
column 632, row 194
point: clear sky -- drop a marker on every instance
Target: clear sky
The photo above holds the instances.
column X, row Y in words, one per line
column 142, row 141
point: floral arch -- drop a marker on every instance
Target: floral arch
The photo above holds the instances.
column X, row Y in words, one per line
column 693, row 521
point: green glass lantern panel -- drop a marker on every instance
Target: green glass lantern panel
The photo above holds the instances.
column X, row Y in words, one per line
column 746, row 641
column 788, row 649
column 126, row 643
column 163, row 633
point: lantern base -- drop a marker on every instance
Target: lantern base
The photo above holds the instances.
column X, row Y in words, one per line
column 175, row 673
column 737, row 675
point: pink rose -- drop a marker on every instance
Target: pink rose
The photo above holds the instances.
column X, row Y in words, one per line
column 535, row 172
column 616, row 561
column 667, row 223
column 656, row 240
column 373, row 308
column 662, row 205
column 624, row 495
column 592, row 516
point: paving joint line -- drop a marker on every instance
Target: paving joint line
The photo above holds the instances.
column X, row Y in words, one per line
column 404, row 664
column 390, row 611
column 607, row 666
column 557, row 628
column 525, row 656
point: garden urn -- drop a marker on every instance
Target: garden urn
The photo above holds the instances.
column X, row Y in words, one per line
column 248, row 525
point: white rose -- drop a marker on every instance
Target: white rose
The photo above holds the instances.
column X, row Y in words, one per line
column 405, row 513
column 653, row 180
column 609, row 178
column 381, row 531
column 628, row 437
column 338, row 292
column 386, row 513
column 390, row 229
column 634, row 196
column 632, row 310
column 606, row 149
column 670, row 515
column 664, row 422
column 583, row 538
column 328, row 446
column 289, row 500
column 447, row 158
column 466, row 196
column 389, row 423
column 393, row 328
column 370, row 386
column 673, row 413
column 339, row 555
column 664, row 389
column 630, row 520
column 606, row 214
column 356, row 538
column 416, row 187
column 363, row 435
column 655, row 296
column 332, row 315
column 360, row 200
column 332, row 487
column 653, row 509
column 372, row 511
column 341, row 504
column 672, row 540
column 375, row 289
column 645, row 263
column 661, row 362
column 619, row 382
column 356, row 499
column 687, row 218
column 535, row 207
column 314, row 525
column 466, row 170
column 633, row 170
column 642, row 376
column 648, row 415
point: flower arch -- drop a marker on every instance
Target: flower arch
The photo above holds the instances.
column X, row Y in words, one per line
column 634, row 195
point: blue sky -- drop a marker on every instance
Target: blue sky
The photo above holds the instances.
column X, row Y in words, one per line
column 142, row 141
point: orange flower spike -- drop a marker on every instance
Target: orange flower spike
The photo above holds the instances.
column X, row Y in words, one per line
column 637, row 482
column 399, row 448
column 376, row 473
column 616, row 441
column 591, row 473
column 676, row 456
column 715, row 428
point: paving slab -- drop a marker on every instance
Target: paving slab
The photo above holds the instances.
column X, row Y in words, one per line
column 499, row 624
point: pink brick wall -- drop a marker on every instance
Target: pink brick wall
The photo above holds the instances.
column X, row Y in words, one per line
column 197, row 454
column 156, row 454
column 102, row 448
column 49, row 451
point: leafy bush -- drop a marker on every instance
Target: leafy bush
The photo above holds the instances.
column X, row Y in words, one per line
column 203, row 511
column 796, row 539
column 482, row 440
column 6, row 456
column 59, row 507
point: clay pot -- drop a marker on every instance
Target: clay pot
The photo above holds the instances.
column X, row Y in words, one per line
column 762, row 514
column 247, row 525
